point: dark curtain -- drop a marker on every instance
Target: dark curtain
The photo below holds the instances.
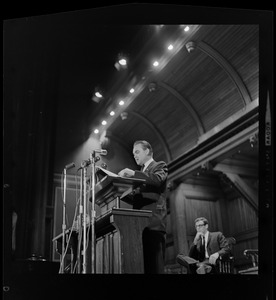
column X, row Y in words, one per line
column 31, row 64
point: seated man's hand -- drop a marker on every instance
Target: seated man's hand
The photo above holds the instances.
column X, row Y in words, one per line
column 198, row 237
column 213, row 258
column 126, row 173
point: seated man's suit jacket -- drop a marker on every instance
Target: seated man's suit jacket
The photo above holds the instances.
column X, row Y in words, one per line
column 152, row 194
column 216, row 243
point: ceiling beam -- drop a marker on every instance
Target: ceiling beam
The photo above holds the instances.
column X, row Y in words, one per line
column 245, row 171
column 192, row 160
column 244, row 189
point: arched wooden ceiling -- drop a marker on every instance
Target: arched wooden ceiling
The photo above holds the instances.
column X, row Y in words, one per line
column 195, row 91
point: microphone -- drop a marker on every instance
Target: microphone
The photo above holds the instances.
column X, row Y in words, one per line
column 69, row 166
column 100, row 151
column 85, row 163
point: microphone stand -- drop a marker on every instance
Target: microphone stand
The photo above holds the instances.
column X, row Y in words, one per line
column 93, row 160
column 84, row 221
column 63, row 223
column 80, row 223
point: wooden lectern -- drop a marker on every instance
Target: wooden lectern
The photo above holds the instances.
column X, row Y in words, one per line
column 119, row 247
column 118, row 231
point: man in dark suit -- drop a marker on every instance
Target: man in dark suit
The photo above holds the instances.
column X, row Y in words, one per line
column 150, row 196
column 207, row 247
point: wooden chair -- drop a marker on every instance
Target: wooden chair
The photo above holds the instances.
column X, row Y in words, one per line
column 253, row 255
column 225, row 265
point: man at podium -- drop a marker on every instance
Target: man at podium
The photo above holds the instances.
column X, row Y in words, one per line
column 150, row 196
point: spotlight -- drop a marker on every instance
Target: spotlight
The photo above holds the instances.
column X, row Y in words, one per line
column 152, row 87
column 190, row 46
column 98, row 95
column 124, row 115
column 121, row 63
column 170, row 47
column 156, row 63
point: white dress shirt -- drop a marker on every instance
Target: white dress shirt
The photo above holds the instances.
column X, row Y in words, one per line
column 206, row 240
column 147, row 164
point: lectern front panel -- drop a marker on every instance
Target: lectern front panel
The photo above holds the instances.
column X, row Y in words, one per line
column 108, row 254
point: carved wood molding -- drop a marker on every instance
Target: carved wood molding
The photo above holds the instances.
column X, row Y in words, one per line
column 229, row 139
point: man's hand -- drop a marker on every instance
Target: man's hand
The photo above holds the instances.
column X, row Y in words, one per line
column 126, row 173
column 213, row 258
column 198, row 237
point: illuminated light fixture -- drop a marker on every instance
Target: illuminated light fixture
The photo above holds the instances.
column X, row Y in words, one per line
column 131, row 91
column 170, row 47
column 103, row 122
column 98, row 94
column 121, row 63
column 187, row 28
column 96, row 99
column 121, row 102
column 156, row 63
column 112, row 113
column 96, row 131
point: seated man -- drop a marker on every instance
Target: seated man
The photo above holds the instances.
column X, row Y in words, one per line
column 205, row 250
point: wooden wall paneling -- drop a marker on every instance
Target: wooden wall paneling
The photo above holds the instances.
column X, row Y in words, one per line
column 224, row 217
column 201, row 192
column 106, row 257
column 178, row 219
column 244, row 189
column 99, row 254
column 116, row 253
column 219, row 217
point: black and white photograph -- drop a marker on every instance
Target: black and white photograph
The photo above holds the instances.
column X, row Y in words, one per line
column 137, row 153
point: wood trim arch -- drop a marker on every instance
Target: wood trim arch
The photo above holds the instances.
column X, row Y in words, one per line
column 218, row 58
column 188, row 106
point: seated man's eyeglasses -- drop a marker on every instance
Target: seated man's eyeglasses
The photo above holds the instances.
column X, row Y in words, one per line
column 200, row 225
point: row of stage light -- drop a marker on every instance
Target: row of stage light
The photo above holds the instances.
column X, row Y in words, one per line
column 122, row 63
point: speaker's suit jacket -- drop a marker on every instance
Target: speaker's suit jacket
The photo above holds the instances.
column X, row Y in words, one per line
column 216, row 243
column 152, row 194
